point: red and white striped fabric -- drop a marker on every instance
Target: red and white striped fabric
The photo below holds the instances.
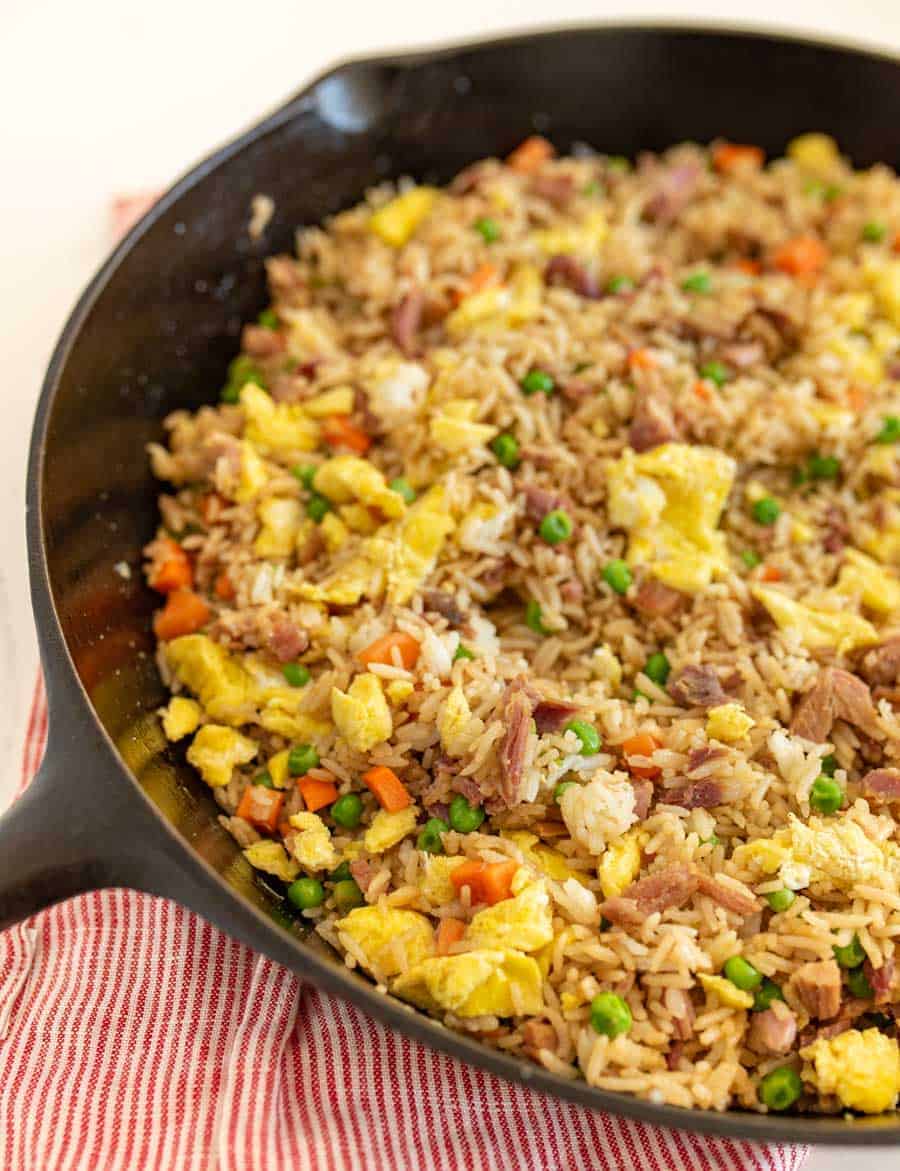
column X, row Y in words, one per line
column 134, row 1035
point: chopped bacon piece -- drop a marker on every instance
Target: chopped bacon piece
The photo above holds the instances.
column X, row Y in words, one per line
column 517, row 706
column 670, row 887
column 835, row 695
column 556, row 189
column 643, row 796
column 881, row 785
column 697, row 685
column 703, row 794
column 674, row 191
column 698, row 757
column 540, row 501
column 881, row 980
column 552, row 715
column 882, row 663
column 286, row 640
column 652, row 423
column 773, row 1031
column 732, row 898
column 567, row 271
column 406, row 320
column 818, row 986
column 444, row 604
column 657, row 600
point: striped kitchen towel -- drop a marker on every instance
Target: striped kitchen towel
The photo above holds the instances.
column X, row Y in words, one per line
column 134, row 1035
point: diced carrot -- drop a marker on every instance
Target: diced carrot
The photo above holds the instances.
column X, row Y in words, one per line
column 641, row 360
column 338, row 431
column 769, row 573
column 703, row 390
column 733, row 156
column 223, row 588
column 750, row 267
column 316, row 792
column 488, row 882
column 285, row 828
column 895, row 246
column 172, row 570
column 261, row 807
column 449, row 931
column 530, row 154
column 382, row 650
column 642, row 744
column 857, row 399
column 803, row 256
column 388, row 788
column 184, row 613
column 485, row 276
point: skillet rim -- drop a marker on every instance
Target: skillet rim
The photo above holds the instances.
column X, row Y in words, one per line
column 207, row 893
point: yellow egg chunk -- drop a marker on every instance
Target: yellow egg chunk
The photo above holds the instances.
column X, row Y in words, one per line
column 399, row 690
column 814, row 152
column 277, row 768
column 620, row 864
column 669, row 500
column 434, row 881
column 181, row 717
column 253, row 476
column 276, row 427
column 728, row 722
column 388, row 938
column 293, row 725
column 272, row 858
column 312, row 845
column 347, row 478
column 387, row 829
column 217, row 751
column 396, row 222
column 483, row 308
column 523, row 923
column 585, row 238
column 334, row 531
column 455, row 724
column 544, row 858
column 475, row 983
column 816, row 628
column 361, row 714
column 876, row 586
column 861, row 1069
column 337, row 401
column 453, row 427
column 280, row 519
column 727, row 993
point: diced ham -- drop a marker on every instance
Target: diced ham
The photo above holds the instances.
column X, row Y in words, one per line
column 363, row 871
column 674, row 1054
column 552, row 715
column 881, row 664
column 881, row 785
column 260, row 342
column 556, row 189
column 571, row 273
column 652, row 422
column 743, row 355
column 538, row 1035
column 285, row 639
column 575, row 389
column 675, row 189
column 516, row 710
column 697, row 685
column 835, row 695
column 818, row 986
column 837, row 530
column 703, row 794
column 643, row 796
column 444, row 604
column 670, row 887
column 540, row 501
column 657, row 600
column 706, row 754
column 732, row 897
column 774, row 1030
column 406, row 319
column 571, row 590
column 881, row 979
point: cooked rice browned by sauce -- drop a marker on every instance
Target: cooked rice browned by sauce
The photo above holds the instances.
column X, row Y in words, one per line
column 531, row 610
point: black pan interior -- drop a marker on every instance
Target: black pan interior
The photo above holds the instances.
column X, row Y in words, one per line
column 161, row 322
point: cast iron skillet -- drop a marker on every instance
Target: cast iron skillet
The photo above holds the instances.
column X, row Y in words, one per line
column 113, row 805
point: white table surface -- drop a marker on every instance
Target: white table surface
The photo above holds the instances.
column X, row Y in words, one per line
column 100, row 97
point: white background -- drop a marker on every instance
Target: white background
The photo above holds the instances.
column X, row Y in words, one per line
column 103, row 96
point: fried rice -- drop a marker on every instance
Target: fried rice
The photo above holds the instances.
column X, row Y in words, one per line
column 531, row 610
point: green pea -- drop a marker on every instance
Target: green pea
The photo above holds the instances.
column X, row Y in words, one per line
column 230, row 393
column 617, row 576
column 766, row 510
column 890, row 429
column 610, row 1015
column 305, row 473
column 559, row 789
column 799, row 476
column 751, row 558
column 264, row 779
column 301, row 759
column 506, row 448
column 859, row 985
column 698, row 282
column 340, row 873
column 826, row 795
column 618, row 163
column 538, row 382
column 588, row 736
column 429, row 840
column 306, row 893
column 347, row 895
column 533, row 617
column 780, row 1088
column 556, row 527
column 620, row 284
column 780, row 900
column 347, row 811
column 765, row 994
column 317, row 507
column 465, row 818
column 742, row 973
column 404, row 488
column 828, row 764
column 851, row 955
column 823, row 467
column 658, row 668
column 488, row 229
column 241, row 370
column 716, row 372
column 296, row 674
column 874, row 231
column 268, row 318
column 592, row 188
column 462, row 652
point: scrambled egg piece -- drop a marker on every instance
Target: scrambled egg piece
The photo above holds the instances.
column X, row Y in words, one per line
column 600, row 811
column 396, row 390
column 669, row 500
column 456, row 726
column 293, row 725
column 280, row 517
column 334, row 532
column 435, row 882
column 883, row 541
column 816, row 628
column 387, row 829
column 814, row 152
column 272, row 858
column 337, row 401
column 523, row 923
column 483, row 526
column 397, row 221
column 277, row 767
column 181, row 717
column 253, row 476
column 620, row 864
column 729, row 994
column 835, row 851
column 862, row 1070
column 878, row 589
column 728, row 722
column 605, row 665
column 884, row 279
column 399, row 690
column 453, row 427
column 361, row 713
column 503, row 307
column 312, row 845
column 276, row 427
column 475, row 983
column 544, row 858
column 385, row 934
column 216, row 751
column 346, row 478
column 585, row 238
